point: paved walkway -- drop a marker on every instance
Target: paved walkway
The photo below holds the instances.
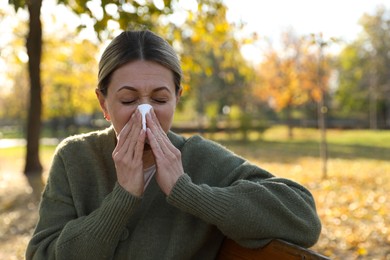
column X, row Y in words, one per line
column 7, row 143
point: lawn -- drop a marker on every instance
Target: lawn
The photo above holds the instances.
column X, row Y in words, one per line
column 353, row 202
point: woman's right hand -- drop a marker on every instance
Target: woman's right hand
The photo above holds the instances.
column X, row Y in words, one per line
column 128, row 154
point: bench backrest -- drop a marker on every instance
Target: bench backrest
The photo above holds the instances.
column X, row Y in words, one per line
column 276, row 249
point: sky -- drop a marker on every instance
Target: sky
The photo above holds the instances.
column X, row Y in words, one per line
column 333, row 18
column 269, row 18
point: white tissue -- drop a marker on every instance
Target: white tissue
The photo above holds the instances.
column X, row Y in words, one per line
column 144, row 109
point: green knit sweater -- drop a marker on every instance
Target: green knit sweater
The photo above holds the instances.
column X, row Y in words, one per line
column 86, row 214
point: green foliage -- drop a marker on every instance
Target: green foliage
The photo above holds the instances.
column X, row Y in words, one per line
column 364, row 68
column 14, row 98
column 351, row 95
column 127, row 14
column 245, row 125
column 69, row 78
column 212, row 110
column 17, row 4
column 215, row 71
column 235, row 112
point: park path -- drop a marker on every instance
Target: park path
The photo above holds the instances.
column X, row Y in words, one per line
column 8, row 143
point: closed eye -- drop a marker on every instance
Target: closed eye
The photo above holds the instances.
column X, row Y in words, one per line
column 160, row 101
column 128, row 102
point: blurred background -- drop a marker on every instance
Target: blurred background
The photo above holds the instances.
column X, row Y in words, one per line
column 301, row 88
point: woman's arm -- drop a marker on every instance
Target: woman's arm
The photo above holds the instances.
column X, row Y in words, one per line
column 245, row 202
column 62, row 234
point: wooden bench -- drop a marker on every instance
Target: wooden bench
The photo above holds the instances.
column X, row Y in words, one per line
column 275, row 250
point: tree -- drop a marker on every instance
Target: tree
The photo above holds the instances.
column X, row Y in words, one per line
column 13, row 99
column 351, row 95
column 126, row 14
column 280, row 77
column 322, row 86
column 377, row 34
column 33, row 167
column 289, row 77
column 69, row 76
column 216, row 73
column 364, row 72
column 69, row 69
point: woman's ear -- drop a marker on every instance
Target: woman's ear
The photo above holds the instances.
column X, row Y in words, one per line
column 178, row 95
column 102, row 103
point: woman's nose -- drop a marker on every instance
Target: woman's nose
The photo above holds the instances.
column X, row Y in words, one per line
column 144, row 100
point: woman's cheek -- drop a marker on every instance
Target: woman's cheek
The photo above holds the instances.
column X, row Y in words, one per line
column 166, row 121
column 123, row 118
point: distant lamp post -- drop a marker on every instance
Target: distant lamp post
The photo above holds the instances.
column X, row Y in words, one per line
column 322, row 107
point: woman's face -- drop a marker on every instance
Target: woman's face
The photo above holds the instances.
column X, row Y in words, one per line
column 140, row 82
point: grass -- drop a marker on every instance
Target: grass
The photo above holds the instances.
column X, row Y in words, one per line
column 46, row 152
column 353, row 202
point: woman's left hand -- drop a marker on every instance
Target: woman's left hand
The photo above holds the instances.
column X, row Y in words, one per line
column 166, row 155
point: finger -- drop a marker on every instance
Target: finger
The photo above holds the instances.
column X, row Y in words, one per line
column 125, row 131
column 129, row 135
column 156, row 137
column 169, row 164
column 155, row 121
column 162, row 147
column 154, row 144
column 134, row 132
column 161, row 137
column 139, row 147
column 155, row 126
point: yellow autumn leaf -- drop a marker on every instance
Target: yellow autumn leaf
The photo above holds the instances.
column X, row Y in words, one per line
column 362, row 251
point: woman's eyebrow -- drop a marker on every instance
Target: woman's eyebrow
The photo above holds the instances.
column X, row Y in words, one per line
column 135, row 90
column 128, row 88
column 161, row 89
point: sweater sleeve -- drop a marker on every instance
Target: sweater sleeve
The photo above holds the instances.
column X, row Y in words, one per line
column 247, row 203
column 61, row 234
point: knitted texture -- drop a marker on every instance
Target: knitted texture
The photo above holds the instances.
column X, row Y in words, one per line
column 86, row 214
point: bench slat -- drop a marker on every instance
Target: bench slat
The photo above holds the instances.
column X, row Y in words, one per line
column 276, row 249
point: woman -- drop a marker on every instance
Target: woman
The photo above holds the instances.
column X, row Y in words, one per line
column 129, row 193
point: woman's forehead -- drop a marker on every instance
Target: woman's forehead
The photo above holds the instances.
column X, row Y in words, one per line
column 139, row 75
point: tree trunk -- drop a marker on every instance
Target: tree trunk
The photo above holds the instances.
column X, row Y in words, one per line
column 33, row 167
column 322, row 111
column 373, row 102
column 290, row 125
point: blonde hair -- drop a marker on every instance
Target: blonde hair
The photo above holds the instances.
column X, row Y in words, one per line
column 137, row 45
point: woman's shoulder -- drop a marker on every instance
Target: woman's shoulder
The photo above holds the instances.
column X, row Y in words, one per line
column 181, row 141
column 95, row 139
column 200, row 145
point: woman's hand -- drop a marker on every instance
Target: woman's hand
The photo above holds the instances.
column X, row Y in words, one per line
column 127, row 156
column 166, row 155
